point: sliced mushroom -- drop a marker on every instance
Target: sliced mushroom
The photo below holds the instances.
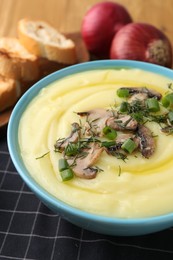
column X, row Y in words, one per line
column 122, row 123
column 150, row 92
column 96, row 120
column 139, row 96
column 147, row 143
column 123, row 137
column 87, row 173
column 72, row 138
column 83, row 165
column 167, row 129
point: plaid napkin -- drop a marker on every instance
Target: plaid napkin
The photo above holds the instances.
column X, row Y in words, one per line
column 31, row 231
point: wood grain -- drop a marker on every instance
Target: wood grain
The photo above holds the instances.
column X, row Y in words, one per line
column 66, row 15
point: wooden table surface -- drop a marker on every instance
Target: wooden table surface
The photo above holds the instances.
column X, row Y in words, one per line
column 66, row 15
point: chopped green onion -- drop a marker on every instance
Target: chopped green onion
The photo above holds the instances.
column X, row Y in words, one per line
column 67, row 174
column 107, row 144
column 170, row 116
column 129, row 146
column 63, row 164
column 152, row 105
column 65, row 171
column 109, row 132
column 167, row 101
column 124, row 107
column 123, row 92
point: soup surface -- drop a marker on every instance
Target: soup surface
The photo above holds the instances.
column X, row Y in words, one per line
column 136, row 187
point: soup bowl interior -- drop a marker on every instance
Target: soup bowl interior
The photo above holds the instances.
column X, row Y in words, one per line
column 92, row 222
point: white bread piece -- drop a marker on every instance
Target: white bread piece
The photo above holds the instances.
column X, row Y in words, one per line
column 10, row 91
column 16, row 62
column 41, row 39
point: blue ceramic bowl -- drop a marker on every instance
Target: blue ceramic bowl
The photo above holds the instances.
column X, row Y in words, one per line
column 100, row 224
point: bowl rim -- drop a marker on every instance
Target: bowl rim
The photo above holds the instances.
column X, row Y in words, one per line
column 13, row 145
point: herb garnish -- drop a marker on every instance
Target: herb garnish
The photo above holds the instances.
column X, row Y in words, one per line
column 119, row 170
column 42, row 155
column 94, row 135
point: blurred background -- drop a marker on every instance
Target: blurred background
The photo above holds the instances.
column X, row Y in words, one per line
column 66, row 15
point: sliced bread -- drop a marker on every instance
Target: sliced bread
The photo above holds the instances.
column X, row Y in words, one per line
column 16, row 62
column 41, row 39
column 10, row 91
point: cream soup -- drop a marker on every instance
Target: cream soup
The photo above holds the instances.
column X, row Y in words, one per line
column 144, row 187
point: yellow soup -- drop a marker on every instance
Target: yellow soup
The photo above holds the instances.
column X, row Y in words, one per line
column 144, row 187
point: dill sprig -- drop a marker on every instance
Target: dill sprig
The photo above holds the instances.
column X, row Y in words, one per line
column 138, row 111
column 73, row 149
column 119, row 155
column 43, row 155
column 119, row 170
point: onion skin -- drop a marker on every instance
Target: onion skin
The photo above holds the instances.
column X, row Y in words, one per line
column 100, row 24
column 142, row 42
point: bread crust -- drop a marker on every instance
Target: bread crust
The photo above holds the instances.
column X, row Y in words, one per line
column 16, row 62
column 10, row 91
column 41, row 39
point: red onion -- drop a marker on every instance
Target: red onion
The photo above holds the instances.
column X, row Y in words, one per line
column 143, row 42
column 100, row 24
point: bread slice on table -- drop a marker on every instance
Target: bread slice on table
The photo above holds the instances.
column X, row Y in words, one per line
column 16, row 62
column 10, row 91
column 41, row 39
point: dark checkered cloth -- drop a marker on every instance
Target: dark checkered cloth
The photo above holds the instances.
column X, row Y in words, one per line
column 31, row 231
